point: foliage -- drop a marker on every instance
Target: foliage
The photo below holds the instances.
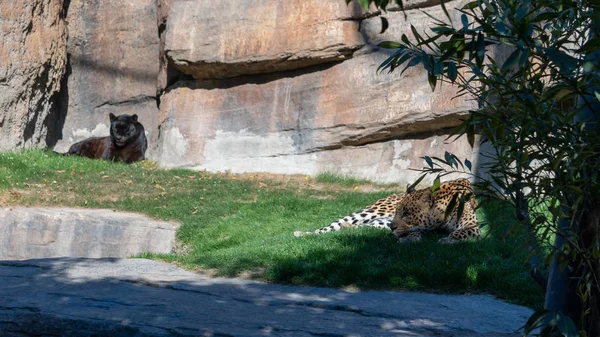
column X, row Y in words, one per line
column 242, row 225
column 537, row 107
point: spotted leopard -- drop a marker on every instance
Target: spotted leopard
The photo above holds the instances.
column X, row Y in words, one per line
column 421, row 211
column 410, row 214
column 378, row 215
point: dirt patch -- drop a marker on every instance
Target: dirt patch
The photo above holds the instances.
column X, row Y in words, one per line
column 307, row 182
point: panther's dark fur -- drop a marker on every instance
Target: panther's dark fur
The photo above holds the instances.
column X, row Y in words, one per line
column 127, row 141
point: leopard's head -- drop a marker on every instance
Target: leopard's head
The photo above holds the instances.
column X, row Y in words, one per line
column 123, row 129
column 411, row 211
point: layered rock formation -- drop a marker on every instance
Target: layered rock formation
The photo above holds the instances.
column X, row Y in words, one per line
column 32, row 62
column 220, row 39
column 306, row 98
column 261, row 85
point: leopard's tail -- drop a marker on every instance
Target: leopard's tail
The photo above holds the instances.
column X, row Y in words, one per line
column 363, row 217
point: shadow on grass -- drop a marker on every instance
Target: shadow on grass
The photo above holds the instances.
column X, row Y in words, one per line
column 372, row 259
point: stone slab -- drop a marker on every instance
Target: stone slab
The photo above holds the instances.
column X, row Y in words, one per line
column 27, row 233
column 138, row 297
column 219, row 39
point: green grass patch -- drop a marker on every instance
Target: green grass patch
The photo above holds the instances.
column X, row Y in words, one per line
column 334, row 178
column 243, row 225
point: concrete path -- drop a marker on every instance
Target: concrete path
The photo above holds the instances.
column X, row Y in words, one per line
column 138, row 297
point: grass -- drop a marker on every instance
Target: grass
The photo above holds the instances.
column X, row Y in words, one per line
column 334, row 178
column 242, row 225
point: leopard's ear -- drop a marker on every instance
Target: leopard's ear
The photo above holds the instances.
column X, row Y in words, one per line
column 134, row 118
column 427, row 198
column 111, row 116
column 409, row 189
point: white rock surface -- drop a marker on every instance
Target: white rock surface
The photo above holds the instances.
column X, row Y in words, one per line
column 27, row 233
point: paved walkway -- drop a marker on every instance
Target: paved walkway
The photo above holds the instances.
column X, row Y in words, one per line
column 138, row 297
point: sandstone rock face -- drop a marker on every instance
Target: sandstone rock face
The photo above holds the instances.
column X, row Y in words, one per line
column 27, row 233
column 218, row 39
column 341, row 117
column 113, row 66
column 32, row 62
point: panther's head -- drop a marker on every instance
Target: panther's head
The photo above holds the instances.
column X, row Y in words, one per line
column 123, row 129
column 411, row 211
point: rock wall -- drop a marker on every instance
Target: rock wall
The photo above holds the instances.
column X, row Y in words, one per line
column 275, row 87
column 32, row 62
column 253, row 86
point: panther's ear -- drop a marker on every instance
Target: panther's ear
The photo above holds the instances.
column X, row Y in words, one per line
column 134, row 118
column 111, row 116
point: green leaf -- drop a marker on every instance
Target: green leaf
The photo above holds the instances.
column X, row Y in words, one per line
column 443, row 30
column 413, row 185
column 438, row 67
column 461, row 205
column 452, row 71
column 391, row 59
column 384, row 24
column 471, row 135
column 451, row 206
column 435, row 188
column 449, row 158
column 480, row 48
column 390, row 45
column 400, row 3
column 432, row 80
column 534, row 321
column 405, row 39
column 524, row 57
column 465, row 21
column 566, row 325
column 364, row 4
column 468, row 164
column 429, row 161
column 597, row 95
column 413, row 62
column 470, row 5
column 416, row 34
column 562, row 60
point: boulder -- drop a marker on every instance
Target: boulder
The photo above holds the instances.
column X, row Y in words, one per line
column 219, row 39
column 32, row 63
column 27, row 233
column 113, row 66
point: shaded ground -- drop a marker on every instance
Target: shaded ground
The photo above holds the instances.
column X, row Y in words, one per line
column 138, row 297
